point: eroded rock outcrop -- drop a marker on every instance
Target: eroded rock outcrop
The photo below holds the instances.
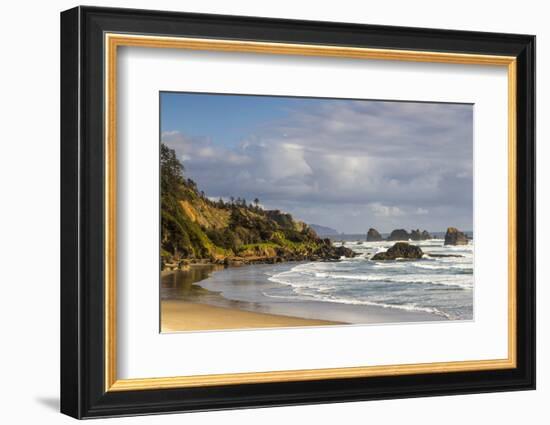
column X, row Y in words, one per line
column 417, row 235
column 331, row 252
column 400, row 250
column 374, row 236
column 399, row 235
column 455, row 237
column 343, row 251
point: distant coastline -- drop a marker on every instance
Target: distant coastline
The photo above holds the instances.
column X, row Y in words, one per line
column 338, row 237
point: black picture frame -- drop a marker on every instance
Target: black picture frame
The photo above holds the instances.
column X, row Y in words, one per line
column 83, row 392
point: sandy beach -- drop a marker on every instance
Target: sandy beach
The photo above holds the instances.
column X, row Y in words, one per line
column 208, row 297
column 187, row 316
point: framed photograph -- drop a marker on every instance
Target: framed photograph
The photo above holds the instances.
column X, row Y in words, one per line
column 261, row 212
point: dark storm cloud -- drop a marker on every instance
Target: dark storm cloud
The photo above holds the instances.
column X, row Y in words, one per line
column 349, row 165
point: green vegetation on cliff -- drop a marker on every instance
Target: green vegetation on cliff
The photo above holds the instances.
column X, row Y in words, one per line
column 194, row 227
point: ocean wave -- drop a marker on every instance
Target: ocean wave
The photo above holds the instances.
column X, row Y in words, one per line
column 458, row 280
column 429, row 266
column 465, row 248
column 438, row 285
column 392, row 265
column 352, row 301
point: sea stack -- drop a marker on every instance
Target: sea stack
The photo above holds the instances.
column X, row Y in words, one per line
column 455, row 237
column 417, row 235
column 400, row 250
column 373, row 235
column 399, row 235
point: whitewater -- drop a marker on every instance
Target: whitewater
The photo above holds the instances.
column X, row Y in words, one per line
column 441, row 285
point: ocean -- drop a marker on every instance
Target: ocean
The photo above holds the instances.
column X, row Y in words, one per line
column 442, row 286
column 352, row 290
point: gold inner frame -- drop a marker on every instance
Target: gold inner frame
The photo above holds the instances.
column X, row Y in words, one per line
column 113, row 41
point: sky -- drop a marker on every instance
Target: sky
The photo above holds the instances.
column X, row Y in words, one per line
column 346, row 164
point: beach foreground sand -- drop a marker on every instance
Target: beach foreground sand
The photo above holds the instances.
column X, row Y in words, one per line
column 179, row 316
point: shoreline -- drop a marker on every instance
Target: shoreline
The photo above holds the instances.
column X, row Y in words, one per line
column 199, row 299
column 214, row 312
column 245, row 261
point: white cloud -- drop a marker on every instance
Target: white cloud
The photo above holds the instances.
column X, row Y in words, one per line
column 380, row 210
column 382, row 160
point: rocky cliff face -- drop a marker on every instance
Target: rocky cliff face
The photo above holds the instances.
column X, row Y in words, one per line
column 399, row 235
column 455, row 237
column 400, row 250
column 374, row 236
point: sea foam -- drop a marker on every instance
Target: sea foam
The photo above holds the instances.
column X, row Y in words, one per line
column 437, row 285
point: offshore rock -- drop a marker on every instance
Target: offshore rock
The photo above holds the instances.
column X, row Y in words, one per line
column 399, row 235
column 373, row 235
column 417, row 235
column 400, row 250
column 455, row 237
